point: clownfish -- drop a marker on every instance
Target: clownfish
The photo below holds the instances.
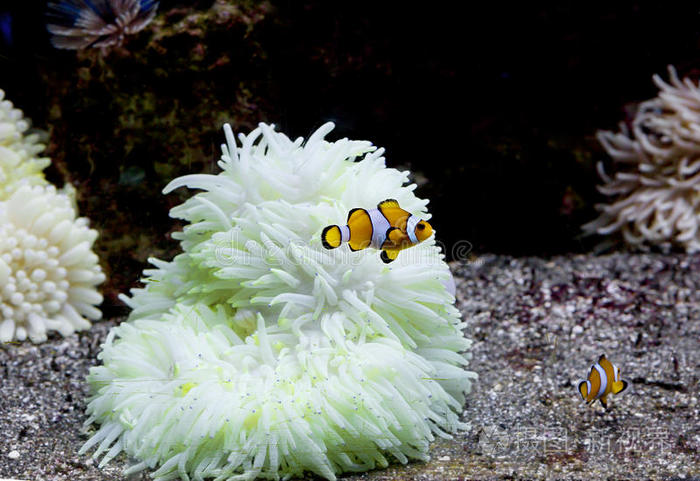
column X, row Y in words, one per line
column 603, row 379
column 388, row 227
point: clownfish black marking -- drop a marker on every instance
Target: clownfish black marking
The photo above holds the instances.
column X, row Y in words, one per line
column 388, row 228
column 603, row 378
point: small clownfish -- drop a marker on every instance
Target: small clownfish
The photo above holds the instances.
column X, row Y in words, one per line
column 603, row 379
column 388, row 227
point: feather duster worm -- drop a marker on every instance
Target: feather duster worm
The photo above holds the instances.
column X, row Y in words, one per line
column 79, row 24
column 656, row 183
column 257, row 353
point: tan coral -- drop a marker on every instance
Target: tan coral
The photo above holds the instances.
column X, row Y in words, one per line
column 656, row 171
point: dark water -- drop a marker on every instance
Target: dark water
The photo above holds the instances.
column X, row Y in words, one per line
column 496, row 106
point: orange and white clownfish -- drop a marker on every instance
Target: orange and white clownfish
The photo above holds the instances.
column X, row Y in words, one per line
column 603, row 379
column 388, row 227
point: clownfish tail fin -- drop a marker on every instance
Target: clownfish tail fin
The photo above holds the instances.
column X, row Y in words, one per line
column 331, row 237
column 618, row 387
column 583, row 389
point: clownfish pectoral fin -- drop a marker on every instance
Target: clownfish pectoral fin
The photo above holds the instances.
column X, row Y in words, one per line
column 388, row 203
column 389, row 255
column 583, row 389
column 604, row 401
column 395, row 236
column 331, row 237
column 620, row 386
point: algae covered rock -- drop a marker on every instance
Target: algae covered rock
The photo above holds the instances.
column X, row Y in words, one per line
column 128, row 119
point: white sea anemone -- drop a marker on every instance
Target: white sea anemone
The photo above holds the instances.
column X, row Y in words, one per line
column 258, row 353
column 19, row 163
column 48, row 273
column 656, row 184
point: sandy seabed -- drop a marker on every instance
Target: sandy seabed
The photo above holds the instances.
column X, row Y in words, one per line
column 537, row 325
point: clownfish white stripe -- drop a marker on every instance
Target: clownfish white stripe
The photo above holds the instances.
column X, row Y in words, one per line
column 380, row 225
column 411, row 224
column 344, row 233
column 603, row 380
column 588, row 386
column 616, row 373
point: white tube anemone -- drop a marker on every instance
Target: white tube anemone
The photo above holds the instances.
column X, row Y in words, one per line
column 258, row 353
column 48, row 272
column 19, row 164
column 656, row 171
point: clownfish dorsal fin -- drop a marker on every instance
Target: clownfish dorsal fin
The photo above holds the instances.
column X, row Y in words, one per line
column 353, row 211
column 388, row 203
column 602, row 356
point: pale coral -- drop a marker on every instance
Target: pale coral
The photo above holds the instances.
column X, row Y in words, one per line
column 655, row 187
column 48, row 272
column 19, row 161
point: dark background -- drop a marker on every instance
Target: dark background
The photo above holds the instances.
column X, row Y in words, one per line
column 495, row 108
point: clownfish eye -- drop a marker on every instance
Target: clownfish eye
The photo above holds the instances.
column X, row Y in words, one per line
column 420, row 226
